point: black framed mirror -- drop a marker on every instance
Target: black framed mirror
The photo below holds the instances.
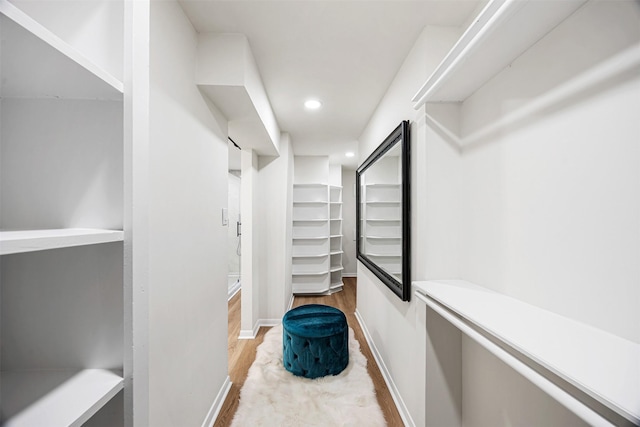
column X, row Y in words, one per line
column 383, row 212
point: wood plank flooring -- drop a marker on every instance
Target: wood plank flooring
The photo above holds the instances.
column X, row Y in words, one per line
column 242, row 353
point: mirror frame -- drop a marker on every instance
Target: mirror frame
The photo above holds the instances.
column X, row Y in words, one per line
column 399, row 136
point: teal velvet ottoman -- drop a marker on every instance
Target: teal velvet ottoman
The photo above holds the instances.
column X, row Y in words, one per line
column 315, row 341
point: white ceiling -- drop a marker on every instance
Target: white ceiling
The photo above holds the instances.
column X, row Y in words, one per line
column 344, row 53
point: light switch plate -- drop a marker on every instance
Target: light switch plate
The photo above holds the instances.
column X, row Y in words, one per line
column 225, row 216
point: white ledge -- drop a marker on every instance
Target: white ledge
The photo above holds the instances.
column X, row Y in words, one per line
column 15, row 242
column 32, row 51
column 311, row 202
column 62, row 398
column 602, row 365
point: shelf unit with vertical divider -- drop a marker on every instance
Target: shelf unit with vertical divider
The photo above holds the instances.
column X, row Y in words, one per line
column 382, row 229
column 310, row 252
column 61, row 231
column 317, row 239
column 335, row 245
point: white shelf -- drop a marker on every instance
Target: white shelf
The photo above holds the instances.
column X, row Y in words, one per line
column 56, row 398
column 336, row 253
column 382, row 220
column 501, row 32
column 311, row 256
column 383, row 255
column 309, row 220
column 602, row 365
column 336, row 285
column 383, row 202
column 336, row 268
column 335, row 236
column 309, row 202
column 311, row 238
column 384, row 237
column 310, row 273
column 310, row 185
column 30, row 53
column 14, row 242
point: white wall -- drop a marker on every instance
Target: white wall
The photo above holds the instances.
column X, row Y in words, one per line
column 274, row 222
column 187, row 242
column 311, row 170
column 251, row 245
column 398, row 328
column 348, row 222
column 335, row 175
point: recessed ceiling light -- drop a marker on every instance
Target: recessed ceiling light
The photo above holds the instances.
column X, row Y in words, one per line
column 312, row 104
column 349, row 154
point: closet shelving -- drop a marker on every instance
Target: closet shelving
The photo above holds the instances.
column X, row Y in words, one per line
column 603, row 366
column 317, row 234
column 593, row 373
column 335, row 228
column 500, row 33
column 382, row 228
column 52, row 381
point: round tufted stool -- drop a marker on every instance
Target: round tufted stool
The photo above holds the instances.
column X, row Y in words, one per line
column 315, row 341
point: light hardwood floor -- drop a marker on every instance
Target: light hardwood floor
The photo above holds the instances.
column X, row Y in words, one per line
column 242, row 353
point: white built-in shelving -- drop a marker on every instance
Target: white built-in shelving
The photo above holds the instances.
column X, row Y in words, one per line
column 381, row 231
column 603, row 366
column 593, row 373
column 62, row 213
column 317, row 239
column 499, row 34
column 310, row 252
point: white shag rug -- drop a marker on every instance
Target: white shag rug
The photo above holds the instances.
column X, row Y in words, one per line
column 272, row 396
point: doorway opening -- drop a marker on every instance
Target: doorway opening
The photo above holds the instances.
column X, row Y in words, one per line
column 235, row 231
column 235, row 222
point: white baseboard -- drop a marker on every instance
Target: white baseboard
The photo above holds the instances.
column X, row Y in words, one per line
column 349, row 274
column 249, row 334
column 234, row 290
column 252, row 334
column 216, row 406
column 269, row 322
column 395, row 394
